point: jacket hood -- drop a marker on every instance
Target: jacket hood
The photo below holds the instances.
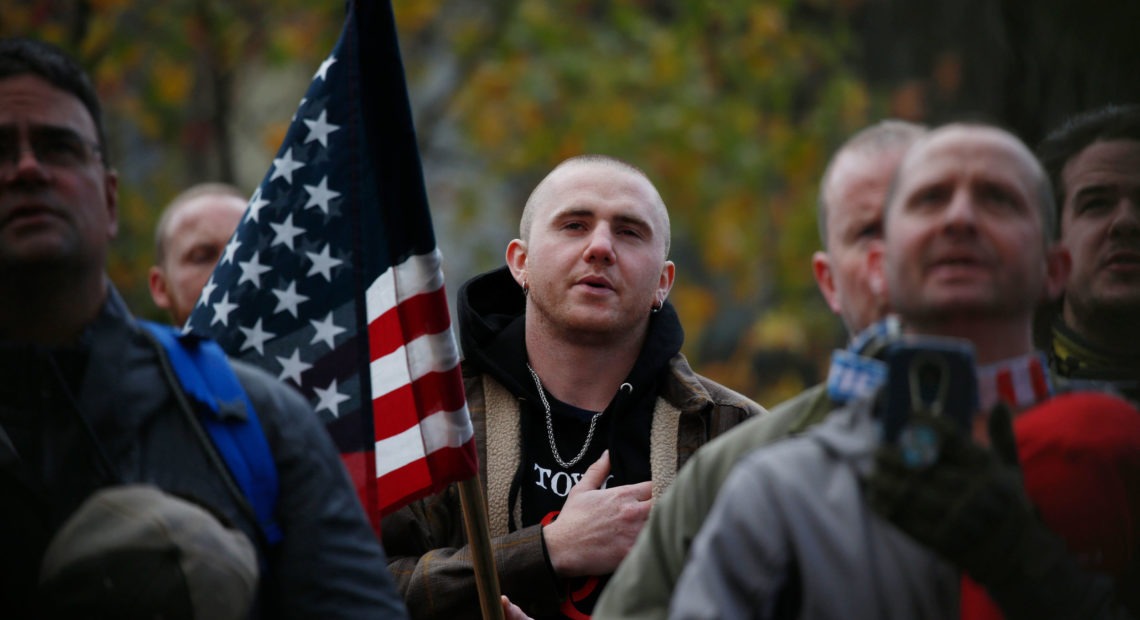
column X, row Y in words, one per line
column 491, row 312
column 851, row 433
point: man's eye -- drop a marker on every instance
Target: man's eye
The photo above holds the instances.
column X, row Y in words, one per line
column 203, row 255
column 871, row 231
column 59, row 149
column 999, row 196
column 931, row 196
column 1094, row 205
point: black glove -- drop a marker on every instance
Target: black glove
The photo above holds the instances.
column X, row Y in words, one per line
column 969, row 507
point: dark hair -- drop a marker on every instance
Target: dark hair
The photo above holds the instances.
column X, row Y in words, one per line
column 1111, row 122
column 20, row 56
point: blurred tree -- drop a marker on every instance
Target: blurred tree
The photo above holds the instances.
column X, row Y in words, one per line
column 170, row 77
column 731, row 107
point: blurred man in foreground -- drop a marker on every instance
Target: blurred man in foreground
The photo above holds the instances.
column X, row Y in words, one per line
column 841, row 522
column 89, row 406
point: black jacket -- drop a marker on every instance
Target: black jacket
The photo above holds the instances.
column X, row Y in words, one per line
column 103, row 413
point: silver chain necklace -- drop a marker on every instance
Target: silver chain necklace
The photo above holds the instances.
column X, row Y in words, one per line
column 550, row 426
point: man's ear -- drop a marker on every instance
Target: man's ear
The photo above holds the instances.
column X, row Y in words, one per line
column 158, row 291
column 1058, row 265
column 516, row 261
column 821, row 267
column 111, row 196
column 665, row 284
column 876, row 268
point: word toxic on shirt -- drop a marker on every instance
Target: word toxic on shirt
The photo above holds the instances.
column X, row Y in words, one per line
column 559, row 482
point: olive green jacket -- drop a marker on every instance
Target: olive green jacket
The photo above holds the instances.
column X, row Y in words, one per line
column 643, row 584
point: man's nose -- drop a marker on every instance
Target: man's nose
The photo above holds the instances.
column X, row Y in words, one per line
column 1126, row 219
column 961, row 211
column 601, row 246
column 19, row 159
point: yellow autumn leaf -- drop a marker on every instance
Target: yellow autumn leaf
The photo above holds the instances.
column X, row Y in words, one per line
column 415, row 15
column 274, row 134
column 103, row 6
column 779, row 330
column 172, row 81
column 294, row 38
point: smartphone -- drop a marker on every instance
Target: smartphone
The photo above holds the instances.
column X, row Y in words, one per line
column 932, row 375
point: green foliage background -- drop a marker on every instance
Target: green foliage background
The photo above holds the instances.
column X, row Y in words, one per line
column 732, row 107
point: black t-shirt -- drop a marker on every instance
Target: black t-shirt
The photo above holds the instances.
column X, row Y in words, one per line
column 544, row 484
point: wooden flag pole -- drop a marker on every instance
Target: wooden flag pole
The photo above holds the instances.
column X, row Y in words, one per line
column 479, row 542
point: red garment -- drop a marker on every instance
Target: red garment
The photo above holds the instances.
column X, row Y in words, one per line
column 1080, row 458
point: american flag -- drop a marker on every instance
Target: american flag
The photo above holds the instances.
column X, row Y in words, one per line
column 333, row 283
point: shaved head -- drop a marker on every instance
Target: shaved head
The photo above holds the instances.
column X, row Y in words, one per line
column 541, row 193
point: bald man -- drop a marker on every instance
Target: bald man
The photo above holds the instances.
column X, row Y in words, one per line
column 811, row 527
column 188, row 242
column 583, row 405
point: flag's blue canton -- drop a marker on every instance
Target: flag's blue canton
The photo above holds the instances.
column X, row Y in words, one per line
column 301, row 279
column 283, row 296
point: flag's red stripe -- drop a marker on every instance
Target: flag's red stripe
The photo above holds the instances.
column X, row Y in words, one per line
column 403, row 408
column 1040, row 383
column 400, row 486
column 1005, row 388
column 414, row 481
column 453, row 464
column 361, row 467
column 414, row 317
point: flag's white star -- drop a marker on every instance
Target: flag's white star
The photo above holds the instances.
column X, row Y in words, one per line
column 255, row 337
column 230, row 251
column 292, row 367
column 288, row 299
column 326, row 331
column 323, row 263
column 222, row 310
column 320, row 195
column 329, row 398
column 320, row 129
column 285, row 232
column 285, row 165
column 251, row 270
column 207, row 290
column 324, row 70
column 255, row 205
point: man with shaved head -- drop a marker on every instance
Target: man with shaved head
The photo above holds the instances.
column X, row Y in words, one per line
column 584, row 408
column 188, row 242
column 835, row 522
